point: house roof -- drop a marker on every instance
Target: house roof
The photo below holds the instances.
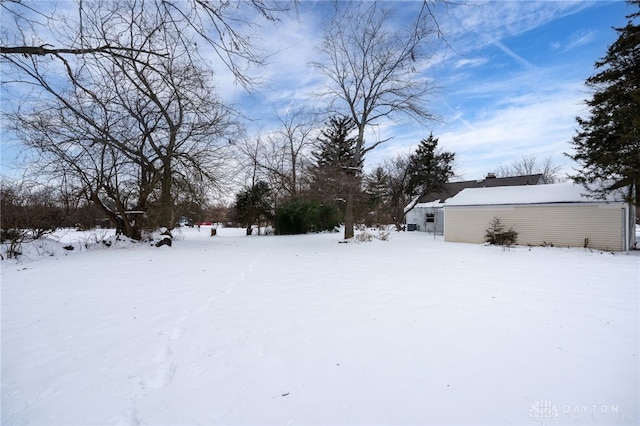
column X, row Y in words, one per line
column 567, row 192
column 452, row 188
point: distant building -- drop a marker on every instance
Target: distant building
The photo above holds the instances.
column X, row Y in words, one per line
column 560, row 215
column 428, row 213
column 184, row 221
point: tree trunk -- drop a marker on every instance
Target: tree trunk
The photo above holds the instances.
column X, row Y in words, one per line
column 165, row 215
column 348, row 214
column 353, row 185
column 119, row 218
column 399, row 217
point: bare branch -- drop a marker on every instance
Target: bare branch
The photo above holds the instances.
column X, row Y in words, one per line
column 44, row 50
column 221, row 25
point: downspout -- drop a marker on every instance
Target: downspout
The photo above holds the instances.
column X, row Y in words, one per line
column 435, row 220
column 626, row 229
column 444, row 223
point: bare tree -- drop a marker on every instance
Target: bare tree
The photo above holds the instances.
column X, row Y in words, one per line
column 250, row 153
column 372, row 66
column 294, row 139
column 223, row 26
column 127, row 127
column 529, row 165
column 397, row 170
column 281, row 157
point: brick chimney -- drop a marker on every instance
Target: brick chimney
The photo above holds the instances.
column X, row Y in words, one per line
column 491, row 176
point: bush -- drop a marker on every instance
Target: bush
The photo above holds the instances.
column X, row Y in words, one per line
column 497, row 235
column 364, row 237
column 299, row 216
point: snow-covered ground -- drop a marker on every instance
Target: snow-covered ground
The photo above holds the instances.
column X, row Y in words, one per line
column 303, row 330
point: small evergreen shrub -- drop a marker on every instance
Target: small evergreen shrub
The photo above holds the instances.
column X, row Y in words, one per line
column 496, row 234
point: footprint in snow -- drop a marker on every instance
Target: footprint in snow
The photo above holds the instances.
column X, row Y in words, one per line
column 163, row 378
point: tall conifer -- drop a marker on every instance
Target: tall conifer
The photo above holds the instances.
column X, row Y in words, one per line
column 607, row 143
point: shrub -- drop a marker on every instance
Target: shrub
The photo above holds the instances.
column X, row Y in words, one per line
column 299, row 216
column 364, row 237
column 497, row 235
column 383, row 235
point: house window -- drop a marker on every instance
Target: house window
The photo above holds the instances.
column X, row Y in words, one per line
column 431, row 217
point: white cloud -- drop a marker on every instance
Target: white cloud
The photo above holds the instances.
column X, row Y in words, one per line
column 519, row 59
column 468, row 28
column 499, row 121
column 580, row 39
column 493, row 115
column 496, row 20
column 471, row 62
column 496, row 115
column 541, row 127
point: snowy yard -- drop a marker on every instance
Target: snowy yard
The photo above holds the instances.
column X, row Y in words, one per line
column 303, row 330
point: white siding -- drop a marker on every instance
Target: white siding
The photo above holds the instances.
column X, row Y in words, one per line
column 563, row 225
column 418, row 216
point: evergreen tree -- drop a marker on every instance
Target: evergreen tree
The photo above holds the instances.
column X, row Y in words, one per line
column 429, row 168
column 607, row 144
column 410, row 176
column 253, row 205
column 336, row 148
column 377, row 189
column 299, row 216
column 335, row 160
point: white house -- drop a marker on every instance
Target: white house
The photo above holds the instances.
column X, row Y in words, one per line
column 427, row 217
column 561, row 215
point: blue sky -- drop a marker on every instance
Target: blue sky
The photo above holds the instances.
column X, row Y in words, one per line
column 510, row 85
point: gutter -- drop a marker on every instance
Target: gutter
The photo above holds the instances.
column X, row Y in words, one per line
column 626, row 228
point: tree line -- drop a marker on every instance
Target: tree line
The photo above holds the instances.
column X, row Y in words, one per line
column 117, row 105
column 330, row 171
column 126, row 112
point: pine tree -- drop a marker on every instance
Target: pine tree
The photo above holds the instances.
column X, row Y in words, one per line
column 607, row 144
column 336, row 148
column 429, row 168
column 253, row 205
column 335, row 160
column 377, row 189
